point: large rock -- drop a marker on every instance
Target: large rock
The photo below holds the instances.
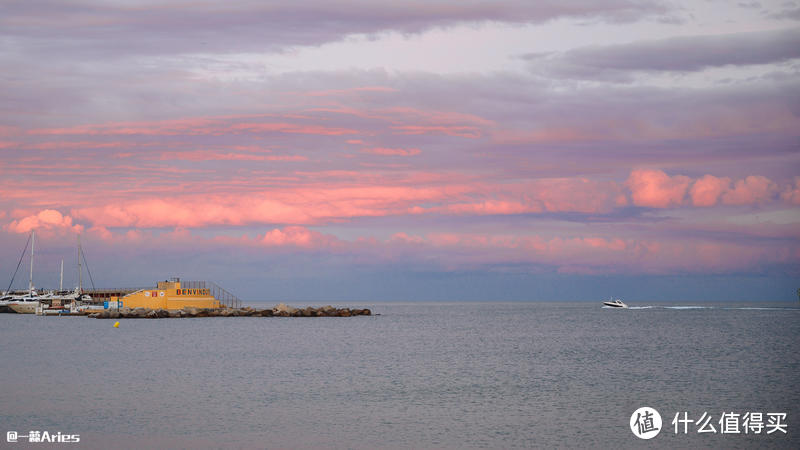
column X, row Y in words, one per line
column 283, row 308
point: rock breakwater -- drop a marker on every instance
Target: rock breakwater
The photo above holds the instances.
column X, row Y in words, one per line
column 280, row 310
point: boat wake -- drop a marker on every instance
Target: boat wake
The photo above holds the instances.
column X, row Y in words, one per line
column 688, row 307
column 699, row 307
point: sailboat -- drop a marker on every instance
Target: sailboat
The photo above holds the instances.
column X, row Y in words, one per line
column 27, row 303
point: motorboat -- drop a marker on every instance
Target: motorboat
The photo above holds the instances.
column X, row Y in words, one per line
column 615, row 303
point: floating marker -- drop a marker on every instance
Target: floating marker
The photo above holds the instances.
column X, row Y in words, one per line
column 116, row 324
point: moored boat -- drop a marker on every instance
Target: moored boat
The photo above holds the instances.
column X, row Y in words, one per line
column 25, row 304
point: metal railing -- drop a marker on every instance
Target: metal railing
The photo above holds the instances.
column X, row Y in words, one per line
column 126, row 290
column 219, row 293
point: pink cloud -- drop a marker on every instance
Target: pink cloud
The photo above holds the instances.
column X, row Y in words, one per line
column 405, row 238
column 751, row 190
column 163, row 128
column 333, row 92
column 407, row 114
column 492, row 207
column 46, row 220
column 72, row 145
column 392, row 151
column 313, row 203
column 792, row 193
column 656, row 189
column 197, row 126
column 450, row 130
column 287, row 128
column 547, row 194
column 209, row 155
column 192, row 212
column 101, row 232
column 707, row 190
column 9, row 131
column 296, row 236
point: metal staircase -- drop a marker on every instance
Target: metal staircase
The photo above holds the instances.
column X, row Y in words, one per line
column 219, row 293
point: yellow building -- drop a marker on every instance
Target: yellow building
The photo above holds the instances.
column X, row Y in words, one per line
column 170, row 295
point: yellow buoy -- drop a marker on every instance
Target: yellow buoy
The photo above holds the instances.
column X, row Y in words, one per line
column 116, row 324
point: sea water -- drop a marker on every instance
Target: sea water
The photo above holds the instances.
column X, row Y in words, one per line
column 418, row 375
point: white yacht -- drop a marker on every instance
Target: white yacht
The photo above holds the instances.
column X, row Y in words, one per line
column 27, row 303
column 615, row 303
column 4, row 301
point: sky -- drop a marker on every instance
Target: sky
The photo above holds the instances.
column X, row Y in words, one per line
column 426, row 150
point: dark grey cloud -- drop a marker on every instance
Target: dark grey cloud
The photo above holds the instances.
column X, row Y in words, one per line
column 678, row 54
column 786, row 14
column 749, row 5
column 93, row 28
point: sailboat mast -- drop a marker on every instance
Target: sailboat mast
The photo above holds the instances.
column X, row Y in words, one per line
column 80, row 268
column 30, row 280
column 61, row 280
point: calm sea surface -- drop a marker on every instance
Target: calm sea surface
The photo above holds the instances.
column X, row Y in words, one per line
column 419, row 375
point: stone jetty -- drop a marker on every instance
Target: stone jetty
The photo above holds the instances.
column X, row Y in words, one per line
column 281, row 310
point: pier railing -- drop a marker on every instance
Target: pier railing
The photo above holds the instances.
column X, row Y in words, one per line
column 100, row 295
column 124, row 290
column 219, row 293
